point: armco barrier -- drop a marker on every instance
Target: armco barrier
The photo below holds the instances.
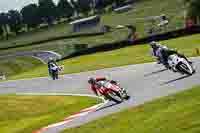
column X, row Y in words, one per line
column 100, row 48
column 125, row 43
column 170, row 35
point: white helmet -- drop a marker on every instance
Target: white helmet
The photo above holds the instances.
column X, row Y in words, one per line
column 165, row 47
column 51, row 59
column 153, row 44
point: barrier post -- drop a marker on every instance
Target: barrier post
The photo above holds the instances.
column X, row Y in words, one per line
column 197, row 51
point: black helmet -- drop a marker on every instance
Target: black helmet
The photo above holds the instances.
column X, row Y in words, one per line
column 91, row 81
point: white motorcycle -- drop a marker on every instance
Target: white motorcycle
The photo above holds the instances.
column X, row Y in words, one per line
column 180, row 65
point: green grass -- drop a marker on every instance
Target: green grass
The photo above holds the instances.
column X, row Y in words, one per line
column 67, row 46
column 173, row 114
column 125, row 56
column 172, row 8
column 14, row 66
column 25, row 114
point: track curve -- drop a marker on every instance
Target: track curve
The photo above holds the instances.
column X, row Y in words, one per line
column 41, row 55
column 144, row 83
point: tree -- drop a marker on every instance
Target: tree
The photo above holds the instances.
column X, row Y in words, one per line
column 186, row 1
column 47, row 11
column 30, row 16
column 99, row 5
column 1, row 31
column 14, row 21
column 193, row 9
column 4, row 23
column 119, row 2
column 82, row 6
column 75, row 7
column 65, row 9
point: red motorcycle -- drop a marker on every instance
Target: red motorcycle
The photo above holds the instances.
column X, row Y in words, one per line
column 112, row 91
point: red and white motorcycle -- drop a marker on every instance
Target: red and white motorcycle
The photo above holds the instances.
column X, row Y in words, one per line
column 111, row 90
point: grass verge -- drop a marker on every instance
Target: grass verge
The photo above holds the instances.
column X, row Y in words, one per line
column 125, row 56
column 25, row 114
column 14, row 66
column 173, row 114
column 138, row 16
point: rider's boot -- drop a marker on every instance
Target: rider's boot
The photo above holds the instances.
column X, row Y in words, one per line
column 190, row 62
column 159, row 62
column 167, row 66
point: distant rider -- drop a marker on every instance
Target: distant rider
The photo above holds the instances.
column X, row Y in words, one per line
column 163, row 52
column 53, row 68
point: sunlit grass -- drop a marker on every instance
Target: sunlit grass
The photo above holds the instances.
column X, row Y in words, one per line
column 173, row 114
column 25, row 114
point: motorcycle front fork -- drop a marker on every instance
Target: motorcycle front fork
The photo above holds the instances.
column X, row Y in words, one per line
column 123, row 92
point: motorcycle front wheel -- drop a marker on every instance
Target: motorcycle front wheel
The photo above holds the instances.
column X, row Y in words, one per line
column 185, row 69
column 114, row 96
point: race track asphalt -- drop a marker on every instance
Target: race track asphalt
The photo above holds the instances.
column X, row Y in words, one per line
column 144, row 82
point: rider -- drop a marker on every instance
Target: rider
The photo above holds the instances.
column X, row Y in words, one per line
column 163, row 52
column 158, row 51
column 96, row 83
column 52, row 68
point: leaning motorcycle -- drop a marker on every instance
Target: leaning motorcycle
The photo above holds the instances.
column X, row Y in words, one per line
column 113, row 92
column 55, row 71
column 180, row 65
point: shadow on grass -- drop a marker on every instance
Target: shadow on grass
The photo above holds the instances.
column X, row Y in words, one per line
column 177, row 79
column 156, row 72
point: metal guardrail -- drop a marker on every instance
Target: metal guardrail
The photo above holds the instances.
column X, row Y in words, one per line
column 123, row 9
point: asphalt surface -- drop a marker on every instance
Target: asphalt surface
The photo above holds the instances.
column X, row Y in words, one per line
column 144, row 82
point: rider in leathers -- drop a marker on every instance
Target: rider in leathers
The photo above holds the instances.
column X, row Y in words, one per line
column 95, row 84
column 162, row 53
column 53, row 68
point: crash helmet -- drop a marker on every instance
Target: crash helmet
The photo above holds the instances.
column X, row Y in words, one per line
column 154, row 45
column 91, row 81
column 51, row 59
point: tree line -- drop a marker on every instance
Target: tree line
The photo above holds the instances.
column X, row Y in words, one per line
column 193, row 10
column 46, row 11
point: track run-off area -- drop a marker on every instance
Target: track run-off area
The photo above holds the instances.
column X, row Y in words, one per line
column 144, row 82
